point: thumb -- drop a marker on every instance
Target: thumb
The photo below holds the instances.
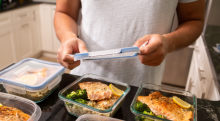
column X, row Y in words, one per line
column 142, row 40
column 82, row 47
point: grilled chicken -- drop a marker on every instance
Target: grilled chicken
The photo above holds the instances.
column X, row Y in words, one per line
column 107, row 103
column 162, row 105
column 12, row 114
column 96, row 90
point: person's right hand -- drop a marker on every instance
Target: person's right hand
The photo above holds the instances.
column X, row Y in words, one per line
column 70, row 46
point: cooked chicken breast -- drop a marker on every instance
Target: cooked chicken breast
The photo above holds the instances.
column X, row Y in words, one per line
column 96, row 90
column 161, row 105
column 107, row 103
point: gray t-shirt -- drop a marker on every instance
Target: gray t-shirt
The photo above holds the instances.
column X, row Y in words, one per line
column 112, row 24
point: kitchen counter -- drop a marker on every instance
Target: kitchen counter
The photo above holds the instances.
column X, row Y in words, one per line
column 27, row 4
column 211, row 37
column 53, row 108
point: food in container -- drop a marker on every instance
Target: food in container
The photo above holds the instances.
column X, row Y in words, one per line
column 14, row 108
column 99, row 100
column 32, row 78
column 89, row 117
column 161, row 103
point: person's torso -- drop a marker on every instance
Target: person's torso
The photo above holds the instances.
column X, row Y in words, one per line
column 111, row 24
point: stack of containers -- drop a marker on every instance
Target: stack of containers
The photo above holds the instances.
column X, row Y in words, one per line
column 32, row 78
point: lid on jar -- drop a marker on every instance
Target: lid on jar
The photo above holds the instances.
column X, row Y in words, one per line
column 31, row 73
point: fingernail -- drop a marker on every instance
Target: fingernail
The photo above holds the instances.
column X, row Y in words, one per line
column 143, row 45
column 85, row 51
column 134, row 46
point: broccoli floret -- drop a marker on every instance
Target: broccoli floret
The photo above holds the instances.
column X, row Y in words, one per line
column 149, row 113
column 73, row 95
column 82, row 94
column 140, row 107
column 81, row 101
column 161, row 116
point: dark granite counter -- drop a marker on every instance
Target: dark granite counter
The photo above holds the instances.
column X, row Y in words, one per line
column 53, row 108
column 25, row 5
column 211, row 38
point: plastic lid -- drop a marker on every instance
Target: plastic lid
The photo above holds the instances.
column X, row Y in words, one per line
column 31, row 73
column 107, row 54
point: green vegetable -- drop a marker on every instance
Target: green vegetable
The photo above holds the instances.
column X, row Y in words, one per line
column 140, row 107
column 81, row 101
column 73, row 95
column 161, row 116
column 82, row 94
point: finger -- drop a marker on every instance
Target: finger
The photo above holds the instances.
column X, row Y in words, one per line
column 152, row 46
column 68, row 59
column 142, row 40
column 150, row 61
column 82, row 47
column 152, row 55
column 71, row 66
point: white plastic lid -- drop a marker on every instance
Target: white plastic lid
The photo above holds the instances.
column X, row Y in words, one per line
column 31, row 73
column 107, row 54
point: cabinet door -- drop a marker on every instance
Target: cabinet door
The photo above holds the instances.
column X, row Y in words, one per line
column 46, row 27
column 7, row 52
column 5, row 19
column 193, row 82
column 36, row 30
column 21, row 15
column 23, row 40
column 56, row 42
column 213, row 92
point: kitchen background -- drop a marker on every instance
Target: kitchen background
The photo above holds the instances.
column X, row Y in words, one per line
column 27, row 31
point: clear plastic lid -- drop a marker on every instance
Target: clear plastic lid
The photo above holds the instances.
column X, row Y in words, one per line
column 89, row 117
column 32, row 73
column 107, row 54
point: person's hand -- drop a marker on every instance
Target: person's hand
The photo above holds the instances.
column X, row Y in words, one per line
column 70, row 46
column 153, row 53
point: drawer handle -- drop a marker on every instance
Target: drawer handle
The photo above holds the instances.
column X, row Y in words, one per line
column 201, row 76
column 24, row 25
column 23, row 15
column 203, row 95
column 196, row 48
column 190, row 85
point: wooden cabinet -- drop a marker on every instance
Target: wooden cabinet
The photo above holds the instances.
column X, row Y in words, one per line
column 36, row 30
column 56, row 42
column 5, row 20
column 20, row 35
column 50, row 42
column 23, row 34
column 200, row 79
column 46, row 27
column 7, row 48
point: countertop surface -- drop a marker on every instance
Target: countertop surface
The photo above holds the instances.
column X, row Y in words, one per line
column 53, row 108
column 211, row 38
column 27, row 4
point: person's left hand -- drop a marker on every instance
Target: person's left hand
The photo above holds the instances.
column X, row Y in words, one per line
column 153, row 53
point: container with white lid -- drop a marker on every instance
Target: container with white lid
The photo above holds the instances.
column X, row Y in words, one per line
column 25, row 105
column 32, row 78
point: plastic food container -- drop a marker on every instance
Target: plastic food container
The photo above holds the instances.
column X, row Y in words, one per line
column 25, row 105
column 32, row 78
column 78, row 109
column 89, row 117
column 146, row 89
